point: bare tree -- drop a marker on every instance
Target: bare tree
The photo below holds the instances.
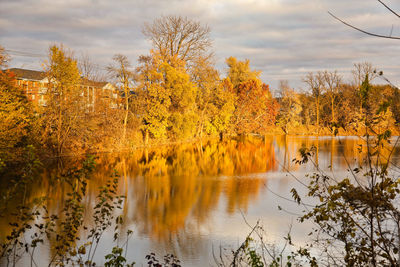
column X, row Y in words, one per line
column 89, row 69
column 176, row 36
column 120, row 70
column 316, row 84
column 361, row 70
column 333, row 82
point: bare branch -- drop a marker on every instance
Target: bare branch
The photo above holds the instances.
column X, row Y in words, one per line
column 388, row 8
column 176, row 36
column 363, row 31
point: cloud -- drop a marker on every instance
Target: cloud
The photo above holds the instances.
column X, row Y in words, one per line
column 283, row 38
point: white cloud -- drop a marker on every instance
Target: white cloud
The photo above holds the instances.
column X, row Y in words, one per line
column 282, row 38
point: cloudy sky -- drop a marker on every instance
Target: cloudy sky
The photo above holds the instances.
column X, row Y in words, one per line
column 284, row 39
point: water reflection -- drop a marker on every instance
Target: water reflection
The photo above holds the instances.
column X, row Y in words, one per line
column 175, row 193
column 171, row 185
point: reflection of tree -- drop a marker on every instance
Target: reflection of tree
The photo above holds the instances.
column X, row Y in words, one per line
column 179, row 183
column 240, row 191
column 171, row 190
column 336, row 152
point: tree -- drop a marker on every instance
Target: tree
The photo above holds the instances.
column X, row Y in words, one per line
column 180, row 37
column 4, row 58
column 214, row 100
column 255, row 109
column 88, row 69
column 290, row 108
column 16, row 115
column 183, row 110
column 153, row 99
column 62, row 116
column 357, row 218
column 316, row 83
column 333, row 82
column 362, row 70
column 124, row 78
column 239, row 71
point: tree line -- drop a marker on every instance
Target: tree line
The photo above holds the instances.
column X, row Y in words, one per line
column 175, row 93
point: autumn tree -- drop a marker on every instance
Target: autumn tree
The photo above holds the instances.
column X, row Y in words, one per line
column 4, row 58
column 316, row 84
column 239, row 71
column 185, row 45
column 179, row 37
column 222, row 108
column 333, row 82
column 63, row 113
column 124, row 76
column 348, row 104
column 357, row 218
column 360, row 71
column 153, row 98
column 183, row 110
column 214, row 100
column 290, row 108
column 255, row 109
column 16, row 115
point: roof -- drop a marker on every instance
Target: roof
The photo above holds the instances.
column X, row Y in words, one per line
column 40, row 75
column 28, row 74
column 93, row 83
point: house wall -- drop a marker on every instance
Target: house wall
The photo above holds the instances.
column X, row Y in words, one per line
column 36, row 91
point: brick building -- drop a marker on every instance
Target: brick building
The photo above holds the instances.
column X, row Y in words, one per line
column 35, row 83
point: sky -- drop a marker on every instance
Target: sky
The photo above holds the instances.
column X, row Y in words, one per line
column 285, row 39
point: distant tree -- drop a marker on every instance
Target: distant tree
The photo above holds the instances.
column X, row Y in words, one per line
column 88, row 68
column 333, row 83
column 395, row 104
column 62, row 117
column 255, row 109
column 239, row 71
column 16, row 115
column 316, row 83
column 215, row 100
column 124, row 78
column 206, row 77
column 223, row 107
column 290, row 108
column 153, row 100
column 4, row 58
column 360, row 71
column 348, row 104
column 183, row 110
column 180, row 37
column 357, row 218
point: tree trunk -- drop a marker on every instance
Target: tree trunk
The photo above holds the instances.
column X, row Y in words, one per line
column 146, row 137
column 126, row 112
column 317, row 106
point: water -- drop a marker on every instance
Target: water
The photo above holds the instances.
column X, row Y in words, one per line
column 193, row 199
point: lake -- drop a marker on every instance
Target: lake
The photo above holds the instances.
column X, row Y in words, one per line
column 193, row 199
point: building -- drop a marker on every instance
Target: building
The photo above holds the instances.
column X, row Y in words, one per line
column 35, row 84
